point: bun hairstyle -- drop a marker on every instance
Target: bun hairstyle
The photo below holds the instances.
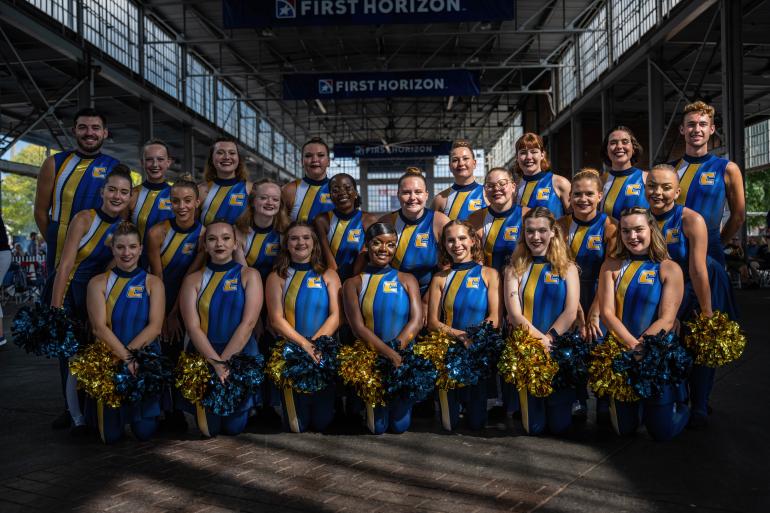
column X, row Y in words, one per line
column 590, row 174
column 558, row 253
column 526, row 142
column 377, row 229
column 637, row 147
column 210, row 172
column 156, row 142
column 477, row 252
column 340, row 176
column 283, row 260
column 281, row 219
column 122, row 171
column 657, row 252
column 185, row 181
column 125, row 228
column 666, row 167
column 413, row 172
column 221, row 220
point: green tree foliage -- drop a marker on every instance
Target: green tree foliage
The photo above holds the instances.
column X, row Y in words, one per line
column 18, row 192
column 758, row 196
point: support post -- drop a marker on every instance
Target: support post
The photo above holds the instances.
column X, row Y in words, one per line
column 188, row 159
column 655, row 122
column 608, row 110
column 576, row 125
column 146, row 120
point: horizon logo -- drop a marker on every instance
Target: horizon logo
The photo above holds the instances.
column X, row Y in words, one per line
column 285, row 9
column 325, row 86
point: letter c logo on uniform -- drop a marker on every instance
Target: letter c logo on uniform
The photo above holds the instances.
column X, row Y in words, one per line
column 707, row 178
column 421, row 240
column 544, row 193
column 594, row 242
column 135, row 292
column 647, row 277
column 633, row 189
column 230, row 285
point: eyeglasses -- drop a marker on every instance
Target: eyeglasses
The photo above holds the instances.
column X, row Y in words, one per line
column 502, row 184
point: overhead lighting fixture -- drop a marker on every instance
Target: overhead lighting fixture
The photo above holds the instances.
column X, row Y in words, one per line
column 450, row 103
column 320, row 106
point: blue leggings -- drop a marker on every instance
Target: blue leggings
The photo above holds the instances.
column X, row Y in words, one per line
column 474, row 398
column 303, row 412
column 111, row 423
column 395, row 417
column 212, row 425
column 666, row 416
column 701, row 383
column 553, row 412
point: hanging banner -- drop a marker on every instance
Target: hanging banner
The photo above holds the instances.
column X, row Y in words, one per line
column 278, row 13
column 309, row 86
column 375, row 150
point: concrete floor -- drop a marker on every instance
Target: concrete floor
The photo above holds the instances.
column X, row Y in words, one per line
column 724, row 468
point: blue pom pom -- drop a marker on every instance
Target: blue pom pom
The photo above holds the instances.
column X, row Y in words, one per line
column 571, row 353
column 246, row 376
column 303, row 373
column 45, row 331
column 478, row 361
column 414, row 379
column 153, row 372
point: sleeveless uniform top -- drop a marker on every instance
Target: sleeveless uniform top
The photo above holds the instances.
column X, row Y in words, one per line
column 261, row 249
column 305, row 299
column 128, row 303
column 637, row 294
column 226, row 200
column 177, row 253
column 464, row 300
column 346, row 239
column 538, row 191
column 586, row 240
column 417, row 250
column 501, row 234
column 542, row 294
column 221, row 300
column 670, row 224
column 94, row 253
column 310, row 199
column 702, row 180
column 384, row 302
column 464, row 200
column 622, row 190
column 153, row 205
column 78, row 180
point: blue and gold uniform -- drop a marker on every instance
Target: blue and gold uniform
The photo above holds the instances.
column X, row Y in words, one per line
column 153, row 205
column 586, row 240
column 346, row 239
column 78, row 180
column 262, row 248
column 670, row 224
column 538, row 190
column 177, row 253
column 463, row 200
column 543, row 296
column 306, row 308
column 310, row 199
column 220, row 304
column 128, row 313
column 702, row 181
column 501, row 234
column 417, row 250
column 226, row 200
column 622, row 190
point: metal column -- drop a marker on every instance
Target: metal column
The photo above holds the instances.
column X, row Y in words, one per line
column 732, row 80
column 188, row 159
column 655, row 112
column 146, row 115
column 86, row 90
column 608, row 110
column 576, row 125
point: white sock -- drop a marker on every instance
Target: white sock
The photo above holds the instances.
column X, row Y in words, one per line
column 73, row 403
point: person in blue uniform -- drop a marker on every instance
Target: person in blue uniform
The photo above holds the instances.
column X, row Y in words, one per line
column 341, row 231
column 707, row 180
column 86, row 252
column 590, row 236
column 151, row 201
column 465, row 295
column 71, row 181
column 640, row 290
column 309, row 196
column 174, row 250
column 539, row 186
column 225, row 191
column 220, row 305
column 624, row 183
column 303, row 303
column 383, row 304
column 418, row 227
column 707, row 286
column 125, row 308
column 542, row 294
column 466, row 195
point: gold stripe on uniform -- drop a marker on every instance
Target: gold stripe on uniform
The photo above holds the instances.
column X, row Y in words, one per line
column 115, row 292
column 528, row 300
column 528, row 190
column 451, row 294
column 686, row 181
column 204, row 301
column 307, row 202
column 403, row 244
column 625, row 281
column 216, row 203
column 144, row 211
column 577, row 239
column 290, row 299
column 367, row 305
column 256, row 246
column 339, row 231
column 457, row 204
column 491, row 239
column 613, row 193
column 67, row 196
column 171, row 249
column 291, row 409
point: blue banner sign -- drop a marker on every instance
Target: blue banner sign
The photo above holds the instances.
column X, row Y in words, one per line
column 308, row 86
column 277, row 13
column 375, row 150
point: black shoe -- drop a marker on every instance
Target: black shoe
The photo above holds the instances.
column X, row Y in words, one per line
column 603, row 418
column 174, row 422
column 63, row 421
column 579, row 412
column 81, row 431
column 496, row 414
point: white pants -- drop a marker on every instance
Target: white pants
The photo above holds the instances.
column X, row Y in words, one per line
column 5, row 263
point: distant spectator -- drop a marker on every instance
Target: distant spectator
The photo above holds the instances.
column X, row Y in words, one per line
column 18, row 251
column 5, row 262
column 33, row 245
column 736, row 259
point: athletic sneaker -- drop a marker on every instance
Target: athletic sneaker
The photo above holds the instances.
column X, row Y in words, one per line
column 2, row 341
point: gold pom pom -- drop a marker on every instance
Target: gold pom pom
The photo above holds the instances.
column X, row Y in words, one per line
column 357, row 368
column 95, row 369
column 192, row 376
column 602, row 378
column 715, row 341
column 276, row 364
column 526, row 363
column 433, row 347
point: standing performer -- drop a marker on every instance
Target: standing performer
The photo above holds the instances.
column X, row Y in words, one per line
column 542, row 293
column 85, row 253
column 640, row 290
column 383, row 304
column 227, row 183
column 539, row 187
column 71, row 181
column 462, row 296
column 5, row 263
column 151, row 201
column 465, row 196
column 307, row 197
column 624, row 183
column 260, row 227
column 707, row 180
column 220, row 305
column 125, row 307
column 707, row 286
column 341, row 231
column 303, row 303
column 418, row 229
column 499, row 224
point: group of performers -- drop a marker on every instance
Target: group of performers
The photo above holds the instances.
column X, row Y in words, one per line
column 229, row 267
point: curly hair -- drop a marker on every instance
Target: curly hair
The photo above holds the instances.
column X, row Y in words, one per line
column 637, row 147
column 283, row 260
column 701, row 108
column 210, row 172
column 477, row 251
